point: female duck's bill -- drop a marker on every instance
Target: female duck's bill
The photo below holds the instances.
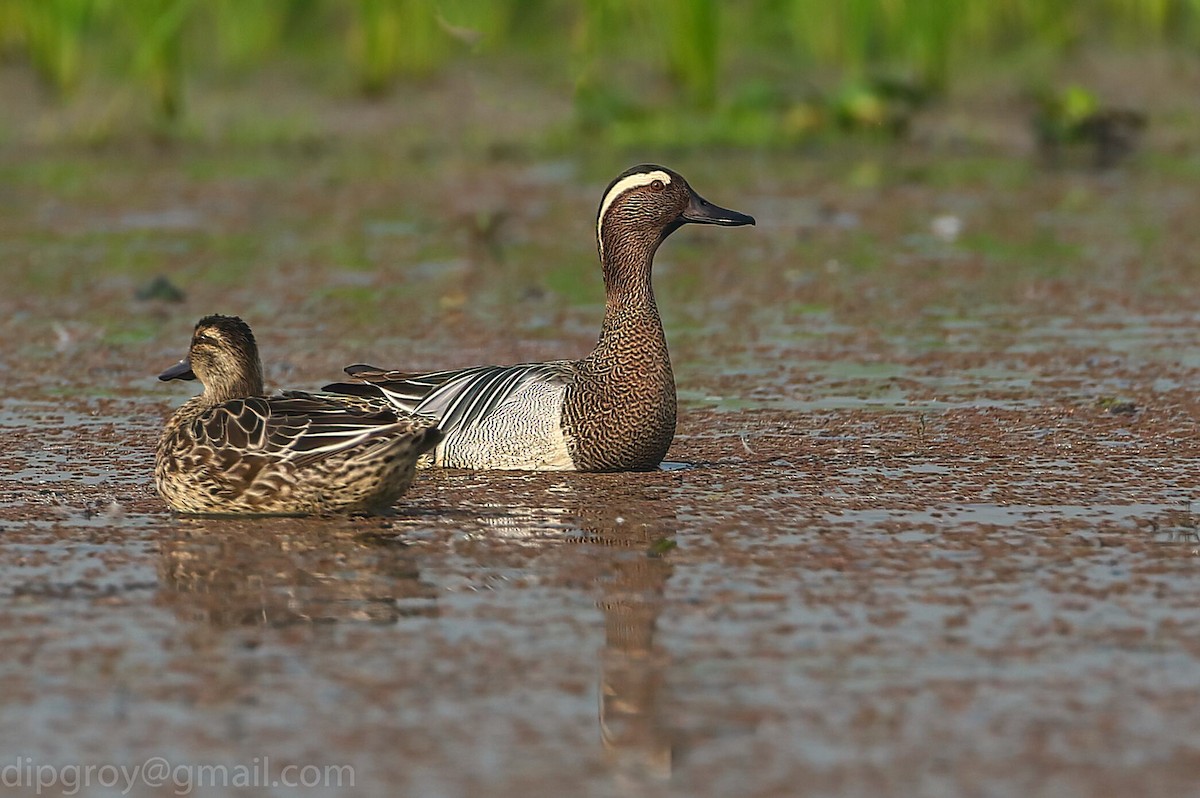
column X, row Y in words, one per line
column 180, row 371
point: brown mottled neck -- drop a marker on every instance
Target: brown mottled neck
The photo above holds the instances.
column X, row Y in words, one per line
column 627, row 257
column 630, row 311
column 235, row 379
column 619, row 415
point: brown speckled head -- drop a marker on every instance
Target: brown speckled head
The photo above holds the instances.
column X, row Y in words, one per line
column 648, row 202
column 224, row 357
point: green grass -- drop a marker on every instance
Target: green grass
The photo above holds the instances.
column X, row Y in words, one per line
column 687, row 72
column 52, row 34
column 390, row 38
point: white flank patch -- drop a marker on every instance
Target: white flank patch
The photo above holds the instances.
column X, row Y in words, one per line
column 524, row 433
column 623, row 185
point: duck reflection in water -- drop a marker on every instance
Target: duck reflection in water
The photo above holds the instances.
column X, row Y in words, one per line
column 629, row 530
column 231, row 573
column 637, row 528
column 632, row 670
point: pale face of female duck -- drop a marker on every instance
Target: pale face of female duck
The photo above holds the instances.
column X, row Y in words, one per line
column 224, row 357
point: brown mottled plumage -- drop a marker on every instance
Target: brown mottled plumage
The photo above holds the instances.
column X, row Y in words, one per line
column 233, row 450
column 614, row 410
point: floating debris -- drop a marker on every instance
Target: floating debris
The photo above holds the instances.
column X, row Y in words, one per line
column 1075, row 120
column 160, row 289
column 1115, row 406
column 661, row 546
column 946, row 227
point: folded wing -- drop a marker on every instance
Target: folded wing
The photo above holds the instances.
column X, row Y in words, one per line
column 459, row 398
column 301, row 428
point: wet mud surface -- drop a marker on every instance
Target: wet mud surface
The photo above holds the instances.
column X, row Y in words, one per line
column 926, row 528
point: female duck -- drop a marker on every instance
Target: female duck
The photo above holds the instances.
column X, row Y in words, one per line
column 613, row 410
column 233, row 450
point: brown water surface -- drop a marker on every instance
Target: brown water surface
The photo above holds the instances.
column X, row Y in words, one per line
column 925, row 529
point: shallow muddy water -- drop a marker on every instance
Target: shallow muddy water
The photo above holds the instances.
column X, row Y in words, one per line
column 926, row 528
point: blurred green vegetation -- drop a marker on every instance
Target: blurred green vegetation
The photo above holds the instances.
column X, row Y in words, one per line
column 752, row 72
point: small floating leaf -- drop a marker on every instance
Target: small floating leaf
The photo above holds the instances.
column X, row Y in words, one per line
column 660, row 547
column 1111, row 404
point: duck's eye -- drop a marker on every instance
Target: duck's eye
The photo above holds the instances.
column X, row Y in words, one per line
column 657, row 185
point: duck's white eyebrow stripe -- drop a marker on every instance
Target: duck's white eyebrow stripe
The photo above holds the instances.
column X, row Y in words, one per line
column 623, row 185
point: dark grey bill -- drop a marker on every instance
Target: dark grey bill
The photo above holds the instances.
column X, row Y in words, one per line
column 180, row 371
column 701, row 211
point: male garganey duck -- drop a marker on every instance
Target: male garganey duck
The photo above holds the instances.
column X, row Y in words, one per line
column 234, row 450
column 614, row 410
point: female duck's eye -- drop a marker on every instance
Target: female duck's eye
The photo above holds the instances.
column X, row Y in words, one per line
column 657, row 185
